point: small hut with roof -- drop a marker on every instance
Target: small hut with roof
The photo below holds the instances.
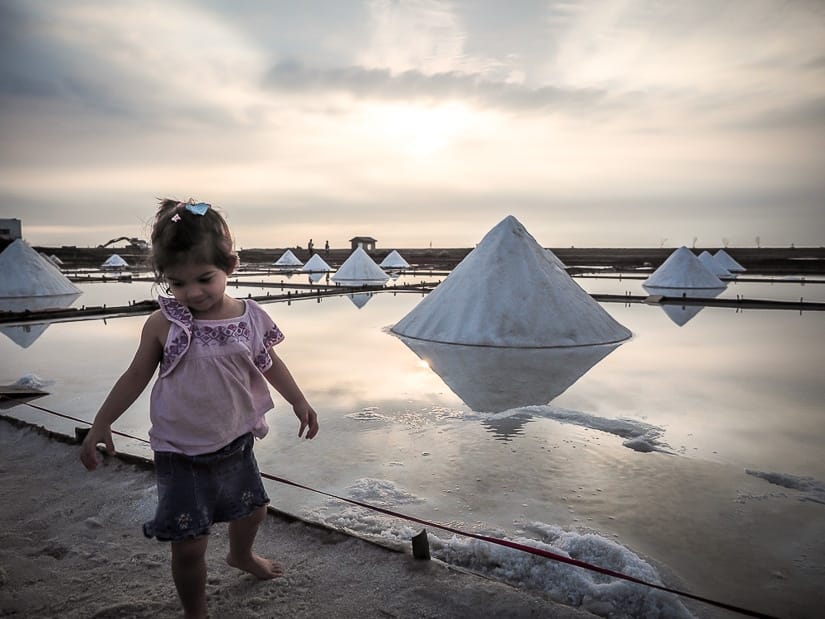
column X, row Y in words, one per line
column 367, row 243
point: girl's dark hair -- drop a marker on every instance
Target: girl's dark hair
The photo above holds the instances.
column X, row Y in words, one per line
column 179, row 236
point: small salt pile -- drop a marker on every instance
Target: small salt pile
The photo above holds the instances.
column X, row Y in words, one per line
column 394, row 260
column 288, row 259
column 683, row 269
column 316, row 264
column 359, row 270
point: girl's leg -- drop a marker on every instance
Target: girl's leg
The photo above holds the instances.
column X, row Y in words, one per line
column 189, row 574
column 241, row 536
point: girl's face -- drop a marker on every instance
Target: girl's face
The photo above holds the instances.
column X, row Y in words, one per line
column 199, row 286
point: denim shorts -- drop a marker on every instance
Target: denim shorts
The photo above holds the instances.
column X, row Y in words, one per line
column 194, row 492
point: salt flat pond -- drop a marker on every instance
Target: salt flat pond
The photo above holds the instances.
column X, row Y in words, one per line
column 698, row 447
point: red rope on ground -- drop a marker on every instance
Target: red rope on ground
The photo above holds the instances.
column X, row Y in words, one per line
column 485, row 538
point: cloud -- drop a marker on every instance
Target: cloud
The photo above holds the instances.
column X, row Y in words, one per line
column 808, row 115
column 144, row 62
column 432, row 32
column 335, row 111
column 292, row 77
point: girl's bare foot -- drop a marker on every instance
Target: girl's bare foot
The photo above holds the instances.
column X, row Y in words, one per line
column 261, row 568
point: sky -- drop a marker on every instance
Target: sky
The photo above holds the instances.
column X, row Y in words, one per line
column 596, row 123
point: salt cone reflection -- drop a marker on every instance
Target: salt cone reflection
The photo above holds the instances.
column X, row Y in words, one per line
column 496, row 379
column 505, row 427
column 25, row 335
column 678, row 313
column 360, row 299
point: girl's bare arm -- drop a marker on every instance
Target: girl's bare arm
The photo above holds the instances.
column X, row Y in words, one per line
column 127, row 388
column 279, row 377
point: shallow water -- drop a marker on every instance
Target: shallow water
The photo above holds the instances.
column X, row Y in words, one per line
column 726, row 393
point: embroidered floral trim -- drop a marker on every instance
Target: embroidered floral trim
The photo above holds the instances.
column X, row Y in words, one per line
column 222, row 334
column 176, row 311
column 173, row 351
column 207, row 335
column 273, row 336
column 181, row 318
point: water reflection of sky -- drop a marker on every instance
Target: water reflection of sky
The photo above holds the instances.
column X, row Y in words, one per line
column 724, row 386
column 730, row 390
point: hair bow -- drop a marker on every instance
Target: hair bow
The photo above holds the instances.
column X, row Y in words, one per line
column 198, row 208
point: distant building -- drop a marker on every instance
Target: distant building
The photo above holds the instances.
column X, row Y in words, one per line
column 11, row 229
column 367, row 243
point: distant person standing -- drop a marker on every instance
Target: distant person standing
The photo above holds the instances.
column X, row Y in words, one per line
column 310, row 246
column 326, row 249
column 208, row 402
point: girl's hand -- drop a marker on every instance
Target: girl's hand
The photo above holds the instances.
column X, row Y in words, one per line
column 88, row 450
column 309, row 420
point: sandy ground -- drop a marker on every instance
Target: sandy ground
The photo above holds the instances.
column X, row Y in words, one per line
column 71, row 546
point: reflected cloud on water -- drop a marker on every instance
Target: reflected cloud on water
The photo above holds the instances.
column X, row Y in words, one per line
column 494, row 379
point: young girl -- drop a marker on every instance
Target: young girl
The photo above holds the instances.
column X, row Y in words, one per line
column 208, row 402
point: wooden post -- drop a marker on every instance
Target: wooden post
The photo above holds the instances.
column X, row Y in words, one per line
column 421, row 546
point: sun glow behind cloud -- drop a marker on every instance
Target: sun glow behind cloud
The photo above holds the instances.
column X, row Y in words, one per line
column 419, row 130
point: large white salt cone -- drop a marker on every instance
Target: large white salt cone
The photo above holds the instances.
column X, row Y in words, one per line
column 25, row 273
column 510, row 292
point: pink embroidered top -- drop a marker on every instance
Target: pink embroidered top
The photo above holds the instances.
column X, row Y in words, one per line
column 210, row 388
